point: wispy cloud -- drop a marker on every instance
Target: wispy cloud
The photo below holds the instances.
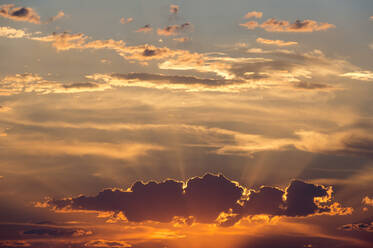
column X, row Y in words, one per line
column 276, row 42
column 145, row 29
column 60, row 15
column 359, row 75
column 274, row 25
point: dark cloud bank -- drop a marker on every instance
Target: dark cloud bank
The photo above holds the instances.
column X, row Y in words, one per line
column 207, row 199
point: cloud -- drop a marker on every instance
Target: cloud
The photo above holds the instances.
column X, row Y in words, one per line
column 24, row 14
column 273, row 25
column 34, row 83
column 174, row 29
column 364, row 226
column 181, row 39
column 205, row 199
column 254, row 14
column 359, row 75
column 276, row 42
column 12, row 33
column 285, row 67
column 353, row 142
column 58, row 232
column 250, row 25
column 105, row 61
column 174, row 9
column 313, row 86
column 66, row 41
column 160, row 81
column 126, row 20
column 60, row 15
column 101, row 243
column 14, row 243
column 367, row 201
column 145, row 29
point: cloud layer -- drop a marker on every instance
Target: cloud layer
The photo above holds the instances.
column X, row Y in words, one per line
column 207, row 199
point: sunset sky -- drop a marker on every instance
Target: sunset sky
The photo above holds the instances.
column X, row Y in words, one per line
column 186, row 123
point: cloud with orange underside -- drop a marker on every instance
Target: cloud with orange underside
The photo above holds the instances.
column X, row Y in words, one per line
column 145, row 29
column 254, row 14
column 174, row 29
column 23, row 14
column 298, row 26
column 207, row 199
column 276, row 42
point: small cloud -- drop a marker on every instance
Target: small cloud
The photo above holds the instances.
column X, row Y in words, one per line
column 14, row 243
column 276, row 42
column 12, row 33
column 359, row 75
column 250, row 25
column 58, row 232
column 365, row 226
column 105, row 61
column 253, row 14
column 367, row 201
column 312, row 86
column 23, row 14
column 174, row 9
column 126, row 20
column 182, row 39
column 145, row 29
column 173, row 29
column 60, row 15
column 107, row 244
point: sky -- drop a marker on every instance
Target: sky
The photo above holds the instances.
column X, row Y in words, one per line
column 186, row 124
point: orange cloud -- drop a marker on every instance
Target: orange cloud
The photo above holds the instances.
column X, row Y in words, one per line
column 276, row 42
column 125, row 21
column 12, row 33
column 250, row 24
column 33, row 83
column 24, row 14
column 101, row 243
column 173, row 29
column 254, row 14
column 367, row 201
column 145, row 29
column 60, row 15
column 359, row 75
column 174, row 9
column 181, row 39
column 273, row 25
